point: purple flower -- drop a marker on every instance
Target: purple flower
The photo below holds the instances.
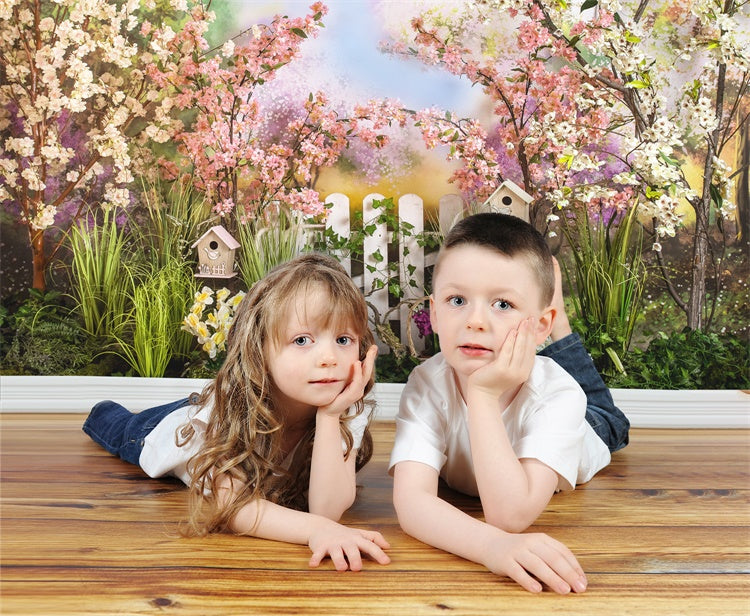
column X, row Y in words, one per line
column 421, row 319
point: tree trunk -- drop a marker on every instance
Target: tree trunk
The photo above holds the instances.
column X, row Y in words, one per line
column 700, row 254
column 38, row 260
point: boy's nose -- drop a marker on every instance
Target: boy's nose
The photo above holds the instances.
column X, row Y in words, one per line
column 476, row 319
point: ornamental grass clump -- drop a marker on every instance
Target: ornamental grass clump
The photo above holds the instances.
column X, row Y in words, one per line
column 152, row 336
column 266, row 242
column 100, row 281
column 609, row 276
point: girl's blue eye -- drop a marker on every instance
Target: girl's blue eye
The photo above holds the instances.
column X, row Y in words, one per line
column 301, row 340
column 344, row 340
column 456, row 300
column 501, row 304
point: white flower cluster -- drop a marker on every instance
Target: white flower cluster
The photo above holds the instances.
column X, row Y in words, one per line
column 728, row 34
column 212, row 332
column 57, row 70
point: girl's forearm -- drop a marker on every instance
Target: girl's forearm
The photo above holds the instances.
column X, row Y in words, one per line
column 267, row 520
column 332, row 479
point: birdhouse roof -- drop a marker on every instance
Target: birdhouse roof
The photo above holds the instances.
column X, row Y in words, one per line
column 515, row 189
column 222, row 234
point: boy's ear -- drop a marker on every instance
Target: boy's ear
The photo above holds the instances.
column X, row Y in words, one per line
column 544, row 324
column 433, row 314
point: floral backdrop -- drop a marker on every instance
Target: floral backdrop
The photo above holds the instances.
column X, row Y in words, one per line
column 127, row 126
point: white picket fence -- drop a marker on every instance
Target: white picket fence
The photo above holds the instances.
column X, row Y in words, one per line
column 411, row 268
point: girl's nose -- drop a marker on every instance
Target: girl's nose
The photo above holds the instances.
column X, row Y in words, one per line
column 327, row 356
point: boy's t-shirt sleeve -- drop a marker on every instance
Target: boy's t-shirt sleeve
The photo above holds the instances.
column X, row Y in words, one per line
column 420, row 423
column 551, row 426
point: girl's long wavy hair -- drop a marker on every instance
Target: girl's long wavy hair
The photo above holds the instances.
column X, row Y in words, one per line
column 243, row 436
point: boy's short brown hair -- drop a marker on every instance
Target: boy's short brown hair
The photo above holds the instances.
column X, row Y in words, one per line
column 511, row 237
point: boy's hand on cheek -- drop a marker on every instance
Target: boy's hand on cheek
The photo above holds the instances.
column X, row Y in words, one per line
column 359, row 376
column 512, row 365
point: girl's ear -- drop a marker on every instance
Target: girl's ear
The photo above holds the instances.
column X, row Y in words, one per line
column 544, row 324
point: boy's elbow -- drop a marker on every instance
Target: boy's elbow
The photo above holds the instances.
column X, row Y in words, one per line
column 510, row 522
column 405, row 508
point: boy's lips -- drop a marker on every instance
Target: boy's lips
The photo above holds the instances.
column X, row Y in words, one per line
column 324, row 381
column 473, row 350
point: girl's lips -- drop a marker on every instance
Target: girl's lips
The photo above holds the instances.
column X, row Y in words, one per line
column 324, row 381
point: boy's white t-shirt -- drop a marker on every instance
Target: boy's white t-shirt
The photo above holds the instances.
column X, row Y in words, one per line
column 545, row 421
column 162, row 456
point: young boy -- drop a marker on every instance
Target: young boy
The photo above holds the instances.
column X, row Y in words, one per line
column 491, row 418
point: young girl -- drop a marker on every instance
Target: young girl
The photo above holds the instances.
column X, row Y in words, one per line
column 271, row 447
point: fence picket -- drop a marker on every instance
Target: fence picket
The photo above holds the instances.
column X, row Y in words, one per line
column 411, row 211
column 376, row 267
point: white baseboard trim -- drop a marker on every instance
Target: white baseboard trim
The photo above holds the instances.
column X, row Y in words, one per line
column 646, row 408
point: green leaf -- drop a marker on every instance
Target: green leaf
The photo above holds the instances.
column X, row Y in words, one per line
column 299, row 32
column 589, row 4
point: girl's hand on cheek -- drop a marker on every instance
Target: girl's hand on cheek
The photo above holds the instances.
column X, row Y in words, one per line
column 359, row 376
column 511, row 367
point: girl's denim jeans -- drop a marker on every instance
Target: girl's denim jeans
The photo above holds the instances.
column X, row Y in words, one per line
column 123, row 433
column 608, row 421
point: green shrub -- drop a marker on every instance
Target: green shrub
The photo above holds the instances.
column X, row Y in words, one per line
column 690, row 359
column 44, row 338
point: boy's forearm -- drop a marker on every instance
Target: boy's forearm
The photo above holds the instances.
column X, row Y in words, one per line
column 332, row 479
column 439, row 524
column 504, row 489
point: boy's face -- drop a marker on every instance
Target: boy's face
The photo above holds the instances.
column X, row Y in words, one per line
column 478, row 297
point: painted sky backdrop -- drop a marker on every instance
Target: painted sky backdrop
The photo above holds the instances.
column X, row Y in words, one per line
column 346, row 62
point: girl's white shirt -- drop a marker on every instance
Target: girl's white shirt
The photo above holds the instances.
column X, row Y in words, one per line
column 161, row 454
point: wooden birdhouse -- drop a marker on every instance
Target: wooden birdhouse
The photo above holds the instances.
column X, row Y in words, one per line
column 509, row 198
column 216, row 253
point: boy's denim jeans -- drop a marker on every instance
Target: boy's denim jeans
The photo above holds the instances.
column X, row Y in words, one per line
column 123, row 433
column 608, row 421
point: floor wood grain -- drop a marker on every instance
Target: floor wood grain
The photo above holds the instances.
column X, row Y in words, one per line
column 664, row 530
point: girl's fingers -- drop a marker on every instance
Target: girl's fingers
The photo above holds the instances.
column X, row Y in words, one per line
column 374, row 551
column 377, row 539
column 353, row 557
column 317, row 558
column 339, row 561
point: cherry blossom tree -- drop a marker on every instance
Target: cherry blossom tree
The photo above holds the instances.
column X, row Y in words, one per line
column 601, row 102
column 236, row 157
column 73, row 97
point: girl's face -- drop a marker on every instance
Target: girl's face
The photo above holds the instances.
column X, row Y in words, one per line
column 311, row 363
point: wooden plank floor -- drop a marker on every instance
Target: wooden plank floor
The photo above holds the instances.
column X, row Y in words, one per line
column 664, row 530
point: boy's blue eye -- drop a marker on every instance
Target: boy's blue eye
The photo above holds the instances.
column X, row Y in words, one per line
column 301, row 340
column 501, row 304
column 456, row 300
column 344, row 340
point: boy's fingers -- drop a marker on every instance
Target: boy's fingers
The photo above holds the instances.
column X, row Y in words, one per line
column 519, row 575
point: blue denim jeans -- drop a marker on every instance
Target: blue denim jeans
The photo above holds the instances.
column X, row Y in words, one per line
column 123, row 433
column 608, row 421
